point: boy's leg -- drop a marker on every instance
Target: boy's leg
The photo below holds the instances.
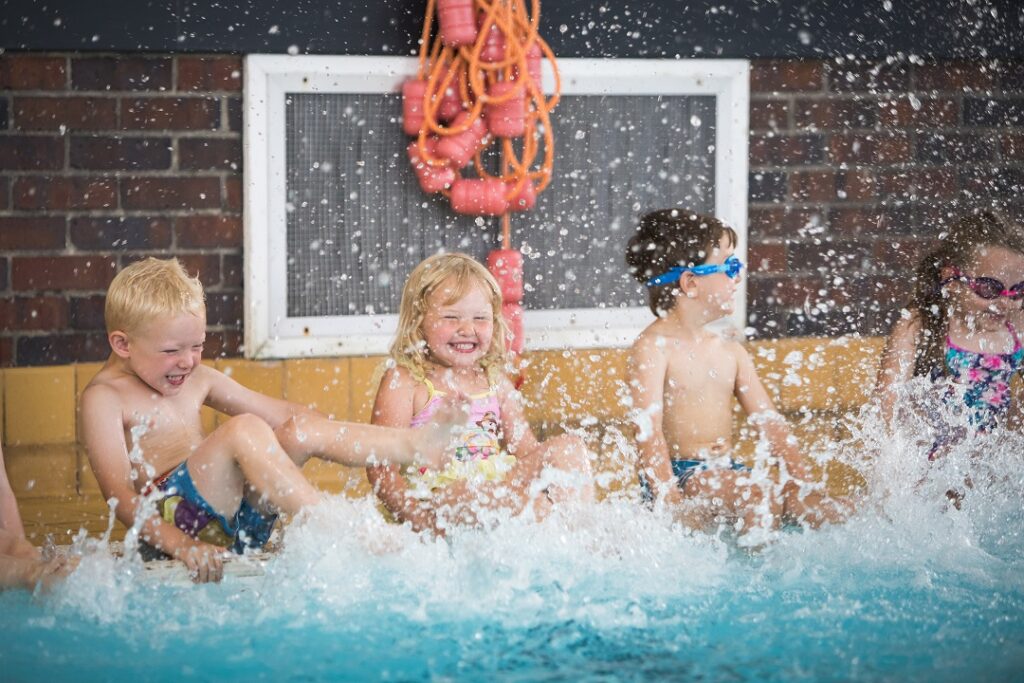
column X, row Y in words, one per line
column 715, row 493
column 358, row 445
column 244, row 450
column 814, row 508
column 568, row 456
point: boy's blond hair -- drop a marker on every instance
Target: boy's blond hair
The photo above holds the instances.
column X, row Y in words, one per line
column 149, row 289
column 462, row 272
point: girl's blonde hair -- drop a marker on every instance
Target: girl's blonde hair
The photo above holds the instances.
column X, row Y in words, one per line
column 459, row 273
column 929, row 303
column 149, row 289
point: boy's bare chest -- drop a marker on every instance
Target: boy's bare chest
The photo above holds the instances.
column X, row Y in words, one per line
column 162, row 432
column 694, row 371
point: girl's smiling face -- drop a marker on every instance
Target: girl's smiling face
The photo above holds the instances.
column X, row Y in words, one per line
column 458, row 333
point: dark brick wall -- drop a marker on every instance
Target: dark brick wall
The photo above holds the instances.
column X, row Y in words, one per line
column 105, row 159
column 854, row 168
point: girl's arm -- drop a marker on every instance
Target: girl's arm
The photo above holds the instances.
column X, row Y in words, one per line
column 393, row 407
column 758, row 405
column 896, row 365
column 647, row 368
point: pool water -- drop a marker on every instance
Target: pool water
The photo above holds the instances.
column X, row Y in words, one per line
column 910, row 589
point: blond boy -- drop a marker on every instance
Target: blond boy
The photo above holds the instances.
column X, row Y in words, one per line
column 142, row 429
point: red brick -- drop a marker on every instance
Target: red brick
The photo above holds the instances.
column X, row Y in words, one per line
column 62, row 349
column 170, row 113
column 769, row 114
column 86, row 312
column 781, row 221
column 226, row 344
column 209, row 231
column 204, row 266
column 121, row 73
column 114, row 233
column 224, row 309
column 1011, row 146
column 869, row 77
column 233, row 194
column 790, row 291
column 120, row 153
column 63, row 193
column 4, row 268
column 6, row 352
column 33, row 313
column 785, row 150
column 915, row 218
column 32, row 233
column 857, row 185
column 210, row 154
column 786, row 76
column 73, row 113
column 766, row 258
column 901, row 254
column 170, row 193
column 855, row 222
column 31, row 152
column 62, row 272
column 5, row 196
column 954, row 76
column 831, row 256
column 928, row 112
column 869, row 148
column 210, row 73
column 812, row 186
column 919, row 183
column 834, row 114
column 32, row 72
column 234, row 272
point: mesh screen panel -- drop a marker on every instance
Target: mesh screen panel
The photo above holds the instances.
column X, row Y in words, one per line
column 358, row 222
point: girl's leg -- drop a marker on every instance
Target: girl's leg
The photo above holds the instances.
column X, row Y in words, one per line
column 243, row 451
column 713, row 494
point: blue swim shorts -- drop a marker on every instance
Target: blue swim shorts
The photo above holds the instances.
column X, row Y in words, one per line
column 683, row 470
column 185, row 508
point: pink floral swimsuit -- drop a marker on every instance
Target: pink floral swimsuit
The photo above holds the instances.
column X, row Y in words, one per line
column 985, row 378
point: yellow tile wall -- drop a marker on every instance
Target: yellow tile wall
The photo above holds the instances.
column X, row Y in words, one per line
column 40, row 405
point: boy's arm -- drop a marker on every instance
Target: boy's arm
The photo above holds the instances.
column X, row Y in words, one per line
column 758, row 405
column 647, row 368
column 393, row 407
column 103, row 433
column 896, row 365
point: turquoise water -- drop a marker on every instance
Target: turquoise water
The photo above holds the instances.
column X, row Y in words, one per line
column 908, row 590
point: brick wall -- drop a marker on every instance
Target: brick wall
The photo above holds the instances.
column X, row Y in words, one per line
column 855, row 168
column 105, row 159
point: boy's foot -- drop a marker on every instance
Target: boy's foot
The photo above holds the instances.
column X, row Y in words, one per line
column 434, row 441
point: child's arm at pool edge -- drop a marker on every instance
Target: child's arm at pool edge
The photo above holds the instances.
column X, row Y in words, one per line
column 647, row 368
column 393, row 407
column 108, row 457
column 896, row 364
column 757, row 404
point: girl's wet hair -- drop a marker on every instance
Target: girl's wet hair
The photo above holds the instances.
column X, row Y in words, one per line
column 459, row 273
column 929, row 301
column 667, row 238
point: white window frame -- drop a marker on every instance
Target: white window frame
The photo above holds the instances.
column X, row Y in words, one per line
column 270, row 333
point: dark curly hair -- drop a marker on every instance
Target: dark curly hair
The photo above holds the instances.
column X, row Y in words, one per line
column 929, row 303
column 667, row 238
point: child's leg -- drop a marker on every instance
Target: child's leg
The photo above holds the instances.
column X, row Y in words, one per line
column 358, row 445
column 712, row 494
column 568, row 456
column 10, row 519
column 814, row 507
column 244, row 450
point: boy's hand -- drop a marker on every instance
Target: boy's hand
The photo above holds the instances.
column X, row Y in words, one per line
column 434, row 441
column 205, row 562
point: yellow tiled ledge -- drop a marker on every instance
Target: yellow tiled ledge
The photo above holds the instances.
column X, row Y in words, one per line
column 561, row 389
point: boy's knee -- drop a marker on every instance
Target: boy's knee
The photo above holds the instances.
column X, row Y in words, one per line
column 246, row 426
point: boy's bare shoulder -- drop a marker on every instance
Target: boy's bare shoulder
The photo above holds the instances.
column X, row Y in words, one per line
column 653, row 339
column 105, row 385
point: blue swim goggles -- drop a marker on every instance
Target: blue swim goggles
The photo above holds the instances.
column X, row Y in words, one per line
column 731, row 267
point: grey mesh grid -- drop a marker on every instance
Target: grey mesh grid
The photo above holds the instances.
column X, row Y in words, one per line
column 358, row 222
